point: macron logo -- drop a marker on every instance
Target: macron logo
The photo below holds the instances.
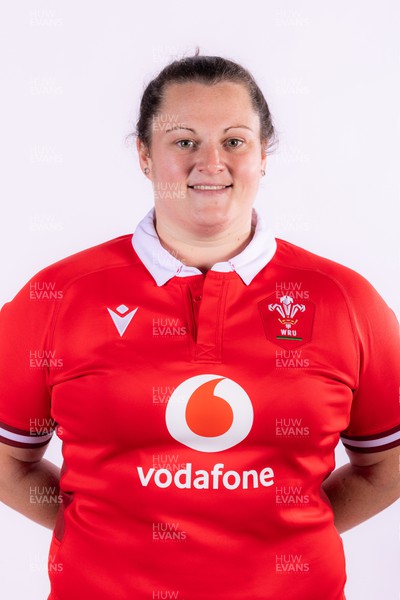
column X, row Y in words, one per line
column 121, row 318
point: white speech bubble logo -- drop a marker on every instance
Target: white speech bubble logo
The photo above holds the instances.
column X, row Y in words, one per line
column 228, row 390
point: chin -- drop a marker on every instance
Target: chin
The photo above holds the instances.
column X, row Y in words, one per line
column 214, row 218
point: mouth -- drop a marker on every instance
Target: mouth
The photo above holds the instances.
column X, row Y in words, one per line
column 209, row 187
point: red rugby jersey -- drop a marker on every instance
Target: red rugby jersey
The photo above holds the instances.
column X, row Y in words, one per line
column 198, row 415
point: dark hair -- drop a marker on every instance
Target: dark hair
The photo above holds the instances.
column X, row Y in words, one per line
column 209, row 70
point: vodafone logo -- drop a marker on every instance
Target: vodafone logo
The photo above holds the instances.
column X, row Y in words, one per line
column 209, row 413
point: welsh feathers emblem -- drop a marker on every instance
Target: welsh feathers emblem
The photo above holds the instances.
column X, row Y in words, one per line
column 287, row 322
column 288, row 311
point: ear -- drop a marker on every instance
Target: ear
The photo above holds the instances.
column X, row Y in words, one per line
column 144, row 157
column 264, row 146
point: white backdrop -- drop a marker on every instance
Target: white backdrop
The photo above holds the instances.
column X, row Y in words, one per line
column 73, row 72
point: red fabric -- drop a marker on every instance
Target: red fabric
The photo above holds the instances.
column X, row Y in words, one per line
column 230, row 507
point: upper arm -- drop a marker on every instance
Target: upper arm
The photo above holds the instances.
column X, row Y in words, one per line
column 21, row 454
column 382, row 466
column 373, row 426
column 365, row 459
column 26, row 424
column 15, row 462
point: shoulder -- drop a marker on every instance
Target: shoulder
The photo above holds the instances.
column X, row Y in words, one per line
column 351, row 284
column 51, row 281
column 110, row 254
column 337, row 285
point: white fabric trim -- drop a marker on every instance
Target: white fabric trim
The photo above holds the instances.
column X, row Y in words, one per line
column 388, row 439
column 25, row 439
column 163, row 266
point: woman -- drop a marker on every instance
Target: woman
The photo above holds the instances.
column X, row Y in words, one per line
column 200, row 374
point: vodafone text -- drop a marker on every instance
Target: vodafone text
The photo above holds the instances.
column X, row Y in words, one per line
column 204, row 480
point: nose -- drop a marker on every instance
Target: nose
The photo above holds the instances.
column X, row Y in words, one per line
column 209, row 160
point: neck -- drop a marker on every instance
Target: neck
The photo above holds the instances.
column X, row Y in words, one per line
column 203, row 251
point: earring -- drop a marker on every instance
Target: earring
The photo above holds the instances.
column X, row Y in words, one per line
column 262, row 172
column 146, row 170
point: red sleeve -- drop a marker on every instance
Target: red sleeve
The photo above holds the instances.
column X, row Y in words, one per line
column 375, row 415
column 25, row 360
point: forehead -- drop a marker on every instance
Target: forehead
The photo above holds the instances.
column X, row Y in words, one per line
column 219, row 103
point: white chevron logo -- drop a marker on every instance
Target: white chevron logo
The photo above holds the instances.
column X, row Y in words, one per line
column 120, row 319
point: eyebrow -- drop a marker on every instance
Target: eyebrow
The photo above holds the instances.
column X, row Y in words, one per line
column 238, row 127
column 193, row 131
column 179, row 127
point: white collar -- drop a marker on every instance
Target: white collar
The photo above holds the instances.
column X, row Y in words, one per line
column 163, row 265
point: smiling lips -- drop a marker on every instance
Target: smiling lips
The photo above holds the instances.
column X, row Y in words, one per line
column 209, row 187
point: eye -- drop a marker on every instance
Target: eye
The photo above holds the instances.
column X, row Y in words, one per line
column 234, row 143
column 185, row 143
